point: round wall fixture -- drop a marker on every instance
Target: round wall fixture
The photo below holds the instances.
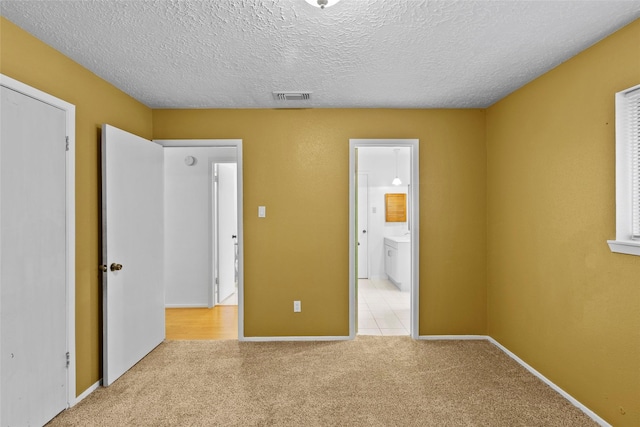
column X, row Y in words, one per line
column 190, row 160
column 322, row 3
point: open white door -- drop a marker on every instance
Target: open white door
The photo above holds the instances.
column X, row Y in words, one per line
column 363, row 226
column 133, row 250
column 227, row 229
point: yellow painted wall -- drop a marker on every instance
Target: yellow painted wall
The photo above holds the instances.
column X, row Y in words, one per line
column 296, row 164
column 554, row 293
column 30, row 61
column 557, row 297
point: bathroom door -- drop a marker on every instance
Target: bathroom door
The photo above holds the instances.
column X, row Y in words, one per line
column 363, row 224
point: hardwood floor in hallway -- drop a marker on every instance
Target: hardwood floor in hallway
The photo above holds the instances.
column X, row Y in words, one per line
column 217, row 323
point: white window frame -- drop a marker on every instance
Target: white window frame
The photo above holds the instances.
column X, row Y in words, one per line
column 627, row 172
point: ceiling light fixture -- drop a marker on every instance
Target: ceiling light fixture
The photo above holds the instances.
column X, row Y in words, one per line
column 396, row 180
column 322, row 3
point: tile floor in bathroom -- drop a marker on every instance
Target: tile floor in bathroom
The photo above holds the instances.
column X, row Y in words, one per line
column 382, row 308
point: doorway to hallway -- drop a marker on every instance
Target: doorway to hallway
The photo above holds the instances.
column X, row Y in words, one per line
column 203, row 201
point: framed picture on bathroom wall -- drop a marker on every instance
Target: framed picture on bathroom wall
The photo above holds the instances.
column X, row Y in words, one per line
column 395, row 207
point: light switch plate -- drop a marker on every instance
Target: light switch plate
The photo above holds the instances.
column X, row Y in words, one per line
column 262, row 211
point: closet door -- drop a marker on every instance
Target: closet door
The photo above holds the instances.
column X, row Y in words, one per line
column 33, row 337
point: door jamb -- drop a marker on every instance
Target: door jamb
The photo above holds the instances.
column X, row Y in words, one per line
column 70, row 117
column 220, row 143
column 414, row 189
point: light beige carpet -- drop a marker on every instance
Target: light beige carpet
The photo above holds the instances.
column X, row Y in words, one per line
column 371, row 381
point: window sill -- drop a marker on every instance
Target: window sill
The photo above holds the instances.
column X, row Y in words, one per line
column 624, row 247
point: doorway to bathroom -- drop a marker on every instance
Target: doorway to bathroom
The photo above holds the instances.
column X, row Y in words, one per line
column 384, row 234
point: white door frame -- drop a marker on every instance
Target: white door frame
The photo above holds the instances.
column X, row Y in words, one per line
column 237, row 144
column 70, row 114
column 414, row 220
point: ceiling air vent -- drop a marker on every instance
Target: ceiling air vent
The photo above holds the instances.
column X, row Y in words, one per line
column 291, row 96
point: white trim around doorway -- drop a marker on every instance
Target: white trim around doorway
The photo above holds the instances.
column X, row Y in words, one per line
column 414, row 216
column 237, row 143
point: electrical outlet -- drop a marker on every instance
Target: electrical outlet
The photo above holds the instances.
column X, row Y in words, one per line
column 297, row 307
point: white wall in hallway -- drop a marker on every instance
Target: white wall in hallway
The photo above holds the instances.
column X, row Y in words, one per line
column 380, row 166
column 188, row 224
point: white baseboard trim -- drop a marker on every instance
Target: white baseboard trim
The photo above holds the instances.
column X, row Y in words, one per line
column 451, row 337
column 305, row 338
column 87, row 392
column 186, row 306
column 548, row 382
column 588, row 412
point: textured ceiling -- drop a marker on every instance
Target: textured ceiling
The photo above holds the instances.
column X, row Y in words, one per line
column 358, row 53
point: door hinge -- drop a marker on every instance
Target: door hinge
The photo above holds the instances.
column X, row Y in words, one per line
column 68, row 359
column 215, row 179
column 66, row 143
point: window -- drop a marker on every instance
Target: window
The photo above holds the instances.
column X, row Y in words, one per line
column 627, row 172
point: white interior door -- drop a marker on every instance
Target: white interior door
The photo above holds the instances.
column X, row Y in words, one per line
column 133, row 296
column 363, row 224
column 33, row 372
column 227, row 229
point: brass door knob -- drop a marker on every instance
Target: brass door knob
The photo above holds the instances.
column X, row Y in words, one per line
column 103, row 268
column 116, row 267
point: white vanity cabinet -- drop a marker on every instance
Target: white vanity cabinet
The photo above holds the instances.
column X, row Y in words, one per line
column 397, row 261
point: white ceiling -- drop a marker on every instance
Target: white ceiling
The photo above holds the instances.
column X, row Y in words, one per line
column 358, row 53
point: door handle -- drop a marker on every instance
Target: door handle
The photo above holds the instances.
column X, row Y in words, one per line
column 103, row 268
column 116, row 267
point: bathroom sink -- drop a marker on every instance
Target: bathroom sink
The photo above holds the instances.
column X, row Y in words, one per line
column 399, row 239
